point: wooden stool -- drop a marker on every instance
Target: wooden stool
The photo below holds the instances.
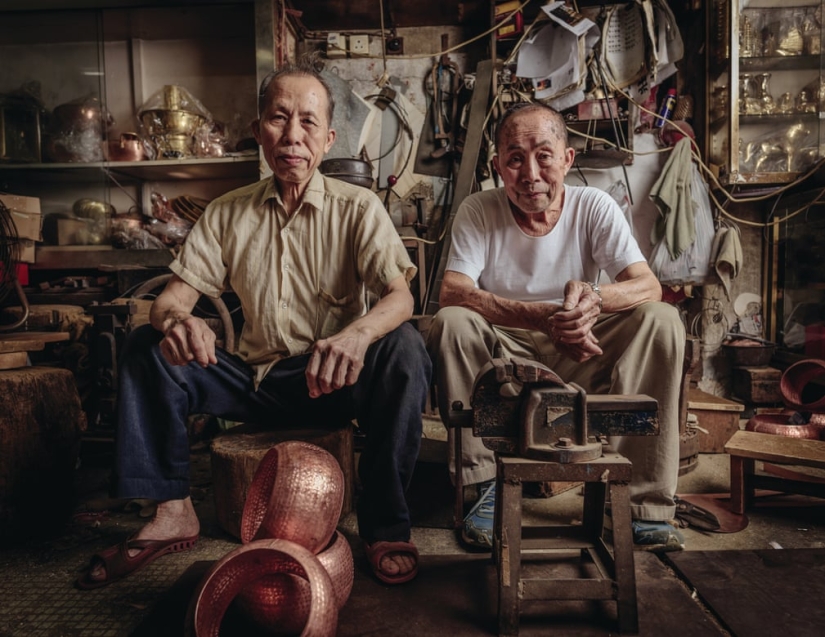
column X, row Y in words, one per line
column 617, row 579
column 237, row 454
column 746, row 447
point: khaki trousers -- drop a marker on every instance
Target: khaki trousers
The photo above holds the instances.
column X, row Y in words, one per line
column 643, row 354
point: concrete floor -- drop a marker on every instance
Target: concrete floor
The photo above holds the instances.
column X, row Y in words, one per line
column 39, row 600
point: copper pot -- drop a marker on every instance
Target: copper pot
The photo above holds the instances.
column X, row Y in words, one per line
column 128, row 148
column 280, row 603
column 797, row 388
column 296, row 494
column 781, row 425
column 261, row 558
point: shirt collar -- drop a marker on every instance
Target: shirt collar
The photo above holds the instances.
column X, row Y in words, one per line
column 313, row 195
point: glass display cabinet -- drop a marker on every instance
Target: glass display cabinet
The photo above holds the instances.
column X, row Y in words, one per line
column 766, row 91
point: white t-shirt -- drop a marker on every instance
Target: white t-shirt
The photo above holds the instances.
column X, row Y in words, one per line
column 490, row 248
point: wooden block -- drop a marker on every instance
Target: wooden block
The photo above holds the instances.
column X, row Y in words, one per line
column 758, row 385
column 237, row 454
column 13, row 360
column 719, row 416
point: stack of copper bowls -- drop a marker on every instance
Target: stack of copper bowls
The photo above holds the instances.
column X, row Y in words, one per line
column 295, row 570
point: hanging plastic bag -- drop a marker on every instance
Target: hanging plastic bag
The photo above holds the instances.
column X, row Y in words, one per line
column 693, row 264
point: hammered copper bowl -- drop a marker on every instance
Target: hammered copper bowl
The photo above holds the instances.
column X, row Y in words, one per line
column 250, row 562
column 279, row 603
column 296, row 494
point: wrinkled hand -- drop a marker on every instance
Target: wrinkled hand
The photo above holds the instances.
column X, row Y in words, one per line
column 188, row 338
column 336, row 362
column 570, row 327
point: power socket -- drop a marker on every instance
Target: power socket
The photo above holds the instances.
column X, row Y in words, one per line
column 359, row 45
column 336, row 45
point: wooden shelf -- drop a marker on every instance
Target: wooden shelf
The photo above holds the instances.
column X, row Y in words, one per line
column 242, row 166
column 96, row 257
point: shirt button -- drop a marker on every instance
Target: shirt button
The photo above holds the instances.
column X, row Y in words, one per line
column 286, row 267
column 283, row 305
column 289, row 340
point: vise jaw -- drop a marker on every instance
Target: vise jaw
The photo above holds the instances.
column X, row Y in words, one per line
column 521, row 407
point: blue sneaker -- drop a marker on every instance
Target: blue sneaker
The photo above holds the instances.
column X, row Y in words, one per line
column 478, row 523
column 657, row 536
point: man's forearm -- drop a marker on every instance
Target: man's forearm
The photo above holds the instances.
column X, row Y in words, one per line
column 387, row 314
column 498, row 310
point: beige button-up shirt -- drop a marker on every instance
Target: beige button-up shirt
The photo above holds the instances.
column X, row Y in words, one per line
column 300, row 278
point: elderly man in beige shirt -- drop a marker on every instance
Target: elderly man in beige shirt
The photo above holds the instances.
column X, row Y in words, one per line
column 301, row 252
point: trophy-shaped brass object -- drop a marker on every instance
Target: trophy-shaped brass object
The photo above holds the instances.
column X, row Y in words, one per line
column 171, row 117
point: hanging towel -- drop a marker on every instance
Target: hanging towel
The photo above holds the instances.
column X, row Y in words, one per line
column 726, row 256
column 672, row 196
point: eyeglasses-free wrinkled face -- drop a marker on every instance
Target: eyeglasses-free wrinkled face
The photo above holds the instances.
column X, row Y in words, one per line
column 533, row 160
column 293, row 129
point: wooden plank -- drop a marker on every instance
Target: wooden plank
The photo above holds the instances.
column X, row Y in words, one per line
column 46, row 337
column 20, row 346
column 774, row 448
column 13, row 360
column 698, row 399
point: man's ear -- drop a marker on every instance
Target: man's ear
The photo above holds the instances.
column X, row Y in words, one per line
column 330, row 139
column 256, row 130
column 495, row 164
column 569, row 156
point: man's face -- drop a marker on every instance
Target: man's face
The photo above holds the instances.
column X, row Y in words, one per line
column 293, row 129
column 533, row 161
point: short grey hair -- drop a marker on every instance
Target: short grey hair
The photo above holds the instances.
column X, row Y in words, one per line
column 523, row 107
column 291, row 69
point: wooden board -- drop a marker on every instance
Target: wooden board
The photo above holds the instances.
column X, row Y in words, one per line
column 13, row 360
column 774, row 448
column 698, row 399
column 756, row 593
column 29, row 341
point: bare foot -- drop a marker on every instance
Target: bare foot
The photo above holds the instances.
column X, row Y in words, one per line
column 173, row 519
column 397, row 563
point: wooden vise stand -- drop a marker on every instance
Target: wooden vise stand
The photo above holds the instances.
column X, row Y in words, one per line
column 545, row 430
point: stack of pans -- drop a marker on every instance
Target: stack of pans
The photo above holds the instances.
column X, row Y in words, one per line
column 188, row 207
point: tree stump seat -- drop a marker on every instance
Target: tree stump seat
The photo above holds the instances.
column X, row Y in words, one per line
column 236, row 454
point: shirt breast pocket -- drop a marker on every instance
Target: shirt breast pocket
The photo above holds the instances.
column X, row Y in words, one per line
column 334, row 313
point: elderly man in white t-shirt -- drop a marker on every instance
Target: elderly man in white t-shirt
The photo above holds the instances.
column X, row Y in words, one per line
column 523, row 279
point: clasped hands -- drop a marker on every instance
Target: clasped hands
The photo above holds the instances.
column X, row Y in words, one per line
column 570, row 325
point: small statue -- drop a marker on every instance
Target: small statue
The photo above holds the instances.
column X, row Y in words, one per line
column 805, row 102
column 785, row 104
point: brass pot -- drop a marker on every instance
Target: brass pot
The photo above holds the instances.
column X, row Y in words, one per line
column 172, row 130
column 296, row 494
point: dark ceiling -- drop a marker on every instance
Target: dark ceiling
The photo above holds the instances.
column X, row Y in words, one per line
column 353, row 15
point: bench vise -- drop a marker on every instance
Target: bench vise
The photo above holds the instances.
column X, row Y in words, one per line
column 521, row 407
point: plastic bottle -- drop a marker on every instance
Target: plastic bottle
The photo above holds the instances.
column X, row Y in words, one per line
column 666, row 110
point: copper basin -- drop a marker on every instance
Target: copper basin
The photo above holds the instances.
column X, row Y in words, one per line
column 280, row 603
column 296, row 494
column 247, row 564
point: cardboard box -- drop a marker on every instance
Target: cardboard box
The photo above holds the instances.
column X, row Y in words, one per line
column 21, row 203
column 719, row 416
column 72, row 232
column 29, row 224
column 26, row 251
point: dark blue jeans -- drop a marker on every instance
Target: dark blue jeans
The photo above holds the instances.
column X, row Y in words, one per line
column 155, row 399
